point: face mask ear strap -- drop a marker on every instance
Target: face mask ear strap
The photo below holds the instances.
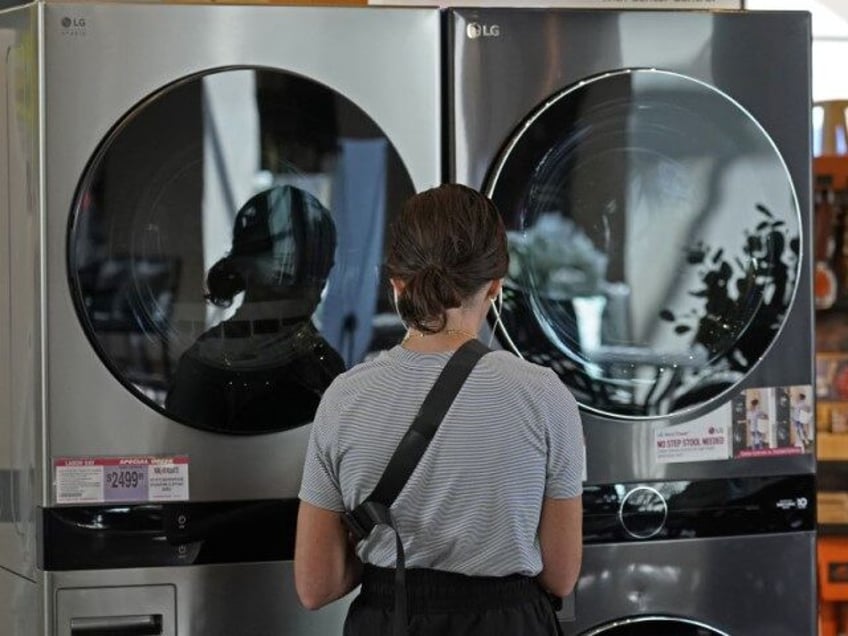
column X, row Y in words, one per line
column 496, row 307
column 395, row 295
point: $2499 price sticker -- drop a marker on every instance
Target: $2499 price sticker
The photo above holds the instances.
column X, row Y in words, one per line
column 121, row 479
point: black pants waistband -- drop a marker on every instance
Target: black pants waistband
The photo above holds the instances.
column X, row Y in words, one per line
column 439, row 591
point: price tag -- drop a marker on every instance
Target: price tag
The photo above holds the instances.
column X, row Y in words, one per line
column 121, row 479
column 125, row 483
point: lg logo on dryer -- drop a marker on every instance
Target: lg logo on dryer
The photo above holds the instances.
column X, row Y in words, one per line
column 476, row 30
column 73, row 26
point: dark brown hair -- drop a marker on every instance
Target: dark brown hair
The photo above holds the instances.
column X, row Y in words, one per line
column 445, row 245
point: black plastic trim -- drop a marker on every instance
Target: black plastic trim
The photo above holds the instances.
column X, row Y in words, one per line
column 704, row 508
column 167, row 534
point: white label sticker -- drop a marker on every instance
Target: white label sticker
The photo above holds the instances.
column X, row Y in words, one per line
column 168, row 481
column 704, row 439
column 120, row 479
column 79, row 484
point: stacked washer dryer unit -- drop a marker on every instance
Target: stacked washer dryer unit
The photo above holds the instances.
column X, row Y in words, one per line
column 653, row 173
column 194, row 201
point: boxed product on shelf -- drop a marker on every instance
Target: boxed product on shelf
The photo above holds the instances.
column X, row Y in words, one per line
column 832, row 507
column 833, row 568
column 832, row 446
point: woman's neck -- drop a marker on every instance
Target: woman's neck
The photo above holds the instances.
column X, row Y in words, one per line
column 447, row 339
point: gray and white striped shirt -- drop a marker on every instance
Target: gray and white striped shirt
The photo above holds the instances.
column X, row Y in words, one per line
column 512, row 436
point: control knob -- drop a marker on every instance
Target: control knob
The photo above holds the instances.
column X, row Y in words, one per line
column 642, row 512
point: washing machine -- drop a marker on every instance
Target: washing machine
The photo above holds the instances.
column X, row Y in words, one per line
column 192, row 224
column 653, row 173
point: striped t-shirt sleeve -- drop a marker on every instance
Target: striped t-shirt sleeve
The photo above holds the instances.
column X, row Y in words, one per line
column 565, row 442
column 320, row 484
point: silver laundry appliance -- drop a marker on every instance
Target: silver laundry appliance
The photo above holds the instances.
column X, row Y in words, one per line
column 653, row 171
column 193, row 211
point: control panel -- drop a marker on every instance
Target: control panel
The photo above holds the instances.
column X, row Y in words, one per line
column 698, row 508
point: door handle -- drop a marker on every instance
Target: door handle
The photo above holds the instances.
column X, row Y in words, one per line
column 142, row 625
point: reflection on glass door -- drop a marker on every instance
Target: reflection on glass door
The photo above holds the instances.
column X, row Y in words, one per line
column 225, row 247
column 655, row 241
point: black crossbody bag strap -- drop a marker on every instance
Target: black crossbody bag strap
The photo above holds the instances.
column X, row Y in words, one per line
column 375, row 509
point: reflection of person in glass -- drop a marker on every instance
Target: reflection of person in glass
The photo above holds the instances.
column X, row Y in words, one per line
column 266, row 367
column 755, row 415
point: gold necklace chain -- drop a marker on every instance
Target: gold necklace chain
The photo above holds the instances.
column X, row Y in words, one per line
column 443, row 332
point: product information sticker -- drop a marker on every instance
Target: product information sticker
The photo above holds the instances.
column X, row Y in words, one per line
column 703, row 439
column 773, row 421
column 120, row 479
column 756, row 422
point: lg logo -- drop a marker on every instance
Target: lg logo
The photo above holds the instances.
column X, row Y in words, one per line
column 476, row 30
column 77, row 23
column 75, row 27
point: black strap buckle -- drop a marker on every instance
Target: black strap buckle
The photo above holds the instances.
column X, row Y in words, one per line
column 556, row 602
column 361, row 520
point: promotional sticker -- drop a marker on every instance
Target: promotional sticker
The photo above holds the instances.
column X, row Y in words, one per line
column 773, row 421
column 703, row 439
column 757, row 422
column 121, row 479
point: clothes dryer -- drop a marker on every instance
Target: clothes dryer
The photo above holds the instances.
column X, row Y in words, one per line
column 653, row 171
column 707, row 557
column 192, row 231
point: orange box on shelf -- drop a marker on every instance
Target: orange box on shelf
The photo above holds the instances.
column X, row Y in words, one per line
column 832, row 446
column 832, row 507
column 822, row 417
column 834, row 165
column 827, row 619
column 833, row 568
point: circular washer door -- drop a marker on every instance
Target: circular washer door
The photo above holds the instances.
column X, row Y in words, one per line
column 225, row 245
column 655, row 241
column 654, row 626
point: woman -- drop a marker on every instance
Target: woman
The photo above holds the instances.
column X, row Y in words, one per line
column 491, row 517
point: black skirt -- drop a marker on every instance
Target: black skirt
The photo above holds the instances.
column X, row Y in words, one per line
column 447, row 604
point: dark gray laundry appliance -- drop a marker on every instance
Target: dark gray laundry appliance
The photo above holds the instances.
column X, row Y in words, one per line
column 194, row 199
column 706, row 557
column 653, row 171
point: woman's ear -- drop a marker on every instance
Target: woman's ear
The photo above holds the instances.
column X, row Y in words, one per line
column 494, row 289
column 397, row 285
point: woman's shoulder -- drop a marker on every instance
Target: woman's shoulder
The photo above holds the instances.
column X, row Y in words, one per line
column 395, row 364
column 536, row 381
column 509, row 364
column 360, row 374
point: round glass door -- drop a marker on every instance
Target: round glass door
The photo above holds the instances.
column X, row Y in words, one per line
column 225, row 246
column 655, row 241
column 654, row 626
